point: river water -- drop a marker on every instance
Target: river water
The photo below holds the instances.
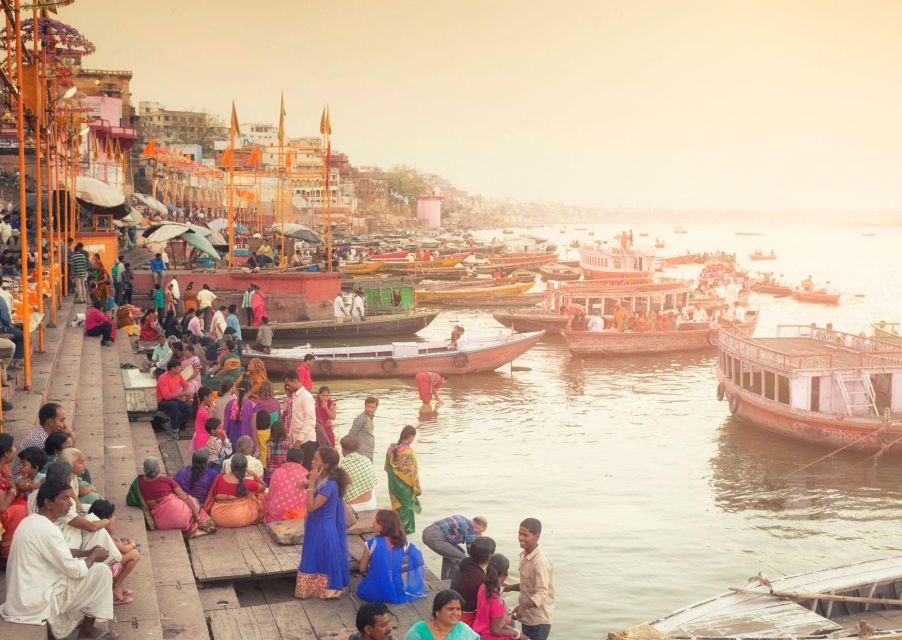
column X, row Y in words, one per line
column 651, row 495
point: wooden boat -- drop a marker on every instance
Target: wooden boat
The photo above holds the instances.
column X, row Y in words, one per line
column 827, row 603
column 762, row 256
column 468, row 283
column 523, row 300
column 555, row 271
column 402, row 359
column 394, row 255
column 524, row 258
column 868, row 235
column 599, row 297
column 402, row 324
column 523, row 276
column 438, row 263
column 613, row 262
column 437, row 296
column 771, row 288
column 360, row 268
column 692, row 336
column 508, row 231
column 816, row 385
column 643, row 234
column 679, row 230
column 817, row 297
column 748, row 233
column 686, row 258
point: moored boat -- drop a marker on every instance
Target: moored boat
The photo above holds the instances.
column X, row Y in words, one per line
column 402, row 359
column 854, row 601
column 816, row 385
column 772, row 289
column 394, row 255
column 757, row 255
column 437, row 263
column 401, row 324
column 555, row 271
column 359, row 268
column 691, row 336
column 522, row 300
column 679, row 230
column 600, row 263
column 523, row 258
column 438, row 295
column 817, row 297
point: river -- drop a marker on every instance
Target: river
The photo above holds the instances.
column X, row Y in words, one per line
column 651, row 495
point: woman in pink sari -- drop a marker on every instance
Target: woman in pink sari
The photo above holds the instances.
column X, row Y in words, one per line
column 169, row 506
column 286, row 497
column 258, row 303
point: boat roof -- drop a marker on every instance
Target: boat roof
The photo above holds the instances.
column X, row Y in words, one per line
column 613, row 287
column 733, row 615
column 806, row 347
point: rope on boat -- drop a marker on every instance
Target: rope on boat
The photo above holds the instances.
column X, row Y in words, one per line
column 843, row 448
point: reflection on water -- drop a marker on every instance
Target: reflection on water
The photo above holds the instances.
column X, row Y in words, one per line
column 652, row 497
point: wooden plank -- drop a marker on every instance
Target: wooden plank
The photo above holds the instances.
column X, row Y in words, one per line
column 291, row 621
column 227, row 624
column 171, row 454
column 181, row 610
column 292, row 531
column 214, row 597
column 23, row 631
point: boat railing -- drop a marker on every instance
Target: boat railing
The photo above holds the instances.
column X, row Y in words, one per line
column 622, row 284
column 885, row 329
column 748, row 349
column 840, row 339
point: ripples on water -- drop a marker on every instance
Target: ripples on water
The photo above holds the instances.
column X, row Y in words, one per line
column 651, row 495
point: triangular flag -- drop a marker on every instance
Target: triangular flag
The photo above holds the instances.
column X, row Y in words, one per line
column 253, row 159
column 117, row 151
column 325, row 126
column 288, row 159
column 282, row 121
column 227, row 157
column 151, row 148
column 235, row 129
column 94, row 146
column 107, row 147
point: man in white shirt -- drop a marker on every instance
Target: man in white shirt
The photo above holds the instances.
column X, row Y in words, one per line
column 738, row 312
column 6, row 231
column 205, row 299
column 699, row 315
column 46, row 580
column 176, row 294
column 338, row 309
column 218, row 325
column 358, row 306
column 245, row 445
column 303, row 417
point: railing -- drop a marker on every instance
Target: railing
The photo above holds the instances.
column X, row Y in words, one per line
column 608, row 287
column 750, row 350
column 840, row 339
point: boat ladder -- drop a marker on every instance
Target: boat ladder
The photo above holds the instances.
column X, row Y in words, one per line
column 857, row 392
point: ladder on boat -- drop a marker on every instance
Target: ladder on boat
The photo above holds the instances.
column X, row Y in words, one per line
column 858, row 393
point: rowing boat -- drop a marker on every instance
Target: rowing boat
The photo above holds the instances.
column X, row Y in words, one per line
column 524, row 258
column 402, row 359
column 523, row 300
column 360, row 268
column 429, row 295
column 401, row 324
column 817, row 297
column 762, row 256
column 772, row 289
column 437, row 263
column 559, row 272
column 853, row 601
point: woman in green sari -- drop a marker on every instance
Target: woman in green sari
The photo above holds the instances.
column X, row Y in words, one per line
column 445, row 621
column 228, row 366
column 404, row 478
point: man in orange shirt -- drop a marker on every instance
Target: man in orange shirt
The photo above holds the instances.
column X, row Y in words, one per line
column 173, row 396
column 303, row 372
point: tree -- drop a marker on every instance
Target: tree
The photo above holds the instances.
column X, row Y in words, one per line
column 405, row 181
column 202, row 130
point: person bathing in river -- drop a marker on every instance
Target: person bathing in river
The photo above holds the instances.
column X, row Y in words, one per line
column 428, row 385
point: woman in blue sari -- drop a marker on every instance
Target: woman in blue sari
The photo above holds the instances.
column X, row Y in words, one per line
column 382, row 563
column 324, row 570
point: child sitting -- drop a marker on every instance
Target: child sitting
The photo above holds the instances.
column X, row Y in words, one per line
column 30, row 478
column 218, row 443
column 104, row 510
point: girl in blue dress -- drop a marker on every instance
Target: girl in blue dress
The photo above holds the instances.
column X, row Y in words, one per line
column 386, row 579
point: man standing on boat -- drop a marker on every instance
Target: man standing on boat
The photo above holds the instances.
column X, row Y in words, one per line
column 358, row 306
column 338, row 309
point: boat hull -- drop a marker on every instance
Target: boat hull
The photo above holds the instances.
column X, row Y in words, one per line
column 816, row 298
column 374, row 326
column 550, row 323
column 524, row 300
column 362, row 267
column 523, row 260
column 824, row 430
column 772, row 289
column 438, row 263
column 559, row 273
column 437, row 296
column 445, row 363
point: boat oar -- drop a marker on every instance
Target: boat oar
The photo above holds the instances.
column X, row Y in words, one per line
column 794, row 595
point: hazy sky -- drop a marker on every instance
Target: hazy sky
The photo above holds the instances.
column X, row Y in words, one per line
column 675, row 103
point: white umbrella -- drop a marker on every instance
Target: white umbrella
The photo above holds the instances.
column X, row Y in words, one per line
column 220, row 224
column 168, row 230
column 151, row 203
column 299, row 232
column 97, row 193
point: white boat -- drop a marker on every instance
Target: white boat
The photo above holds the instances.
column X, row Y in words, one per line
column 853, row 601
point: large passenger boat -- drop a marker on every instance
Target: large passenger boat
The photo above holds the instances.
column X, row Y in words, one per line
column 604, row 262
column 817, row 385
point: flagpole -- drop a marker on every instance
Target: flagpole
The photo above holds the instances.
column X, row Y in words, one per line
column 233, row 129
column 23, row 238
column 39, row 208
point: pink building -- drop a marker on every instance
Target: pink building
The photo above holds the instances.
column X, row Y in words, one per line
column 429, row 209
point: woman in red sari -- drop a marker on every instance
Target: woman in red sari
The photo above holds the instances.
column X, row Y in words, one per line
column 258, row 303
column 12, row 511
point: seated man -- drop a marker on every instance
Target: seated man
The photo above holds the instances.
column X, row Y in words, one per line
column 596, row 323
column 11, row 332
column 373, row 622
column 173, row 394
column 97, row 323
column 46, row 580
column 245, row 445
column 361, row 491
column 161, row 355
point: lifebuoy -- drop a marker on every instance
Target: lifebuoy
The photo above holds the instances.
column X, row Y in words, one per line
column 734, row 403
column 389, row 365
column 712, row 337
column 720, row 392
column 325, row 366
column 461, row 360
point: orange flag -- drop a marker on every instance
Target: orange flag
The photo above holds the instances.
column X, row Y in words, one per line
column 117, row 150
column 254, row 159
column 235, row 129
column 325, row 124
column 227, row 157
column 151, row 148
column 282, row 121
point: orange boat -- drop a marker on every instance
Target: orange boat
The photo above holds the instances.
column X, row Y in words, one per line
column 523, row 258
column 691, row 336
column 357, row 268
column 447, row 261
column 437, row 295
column 817, row 297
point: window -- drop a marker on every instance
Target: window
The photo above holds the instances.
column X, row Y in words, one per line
column 815, row 393
column 783, row 389
column 770, row 385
